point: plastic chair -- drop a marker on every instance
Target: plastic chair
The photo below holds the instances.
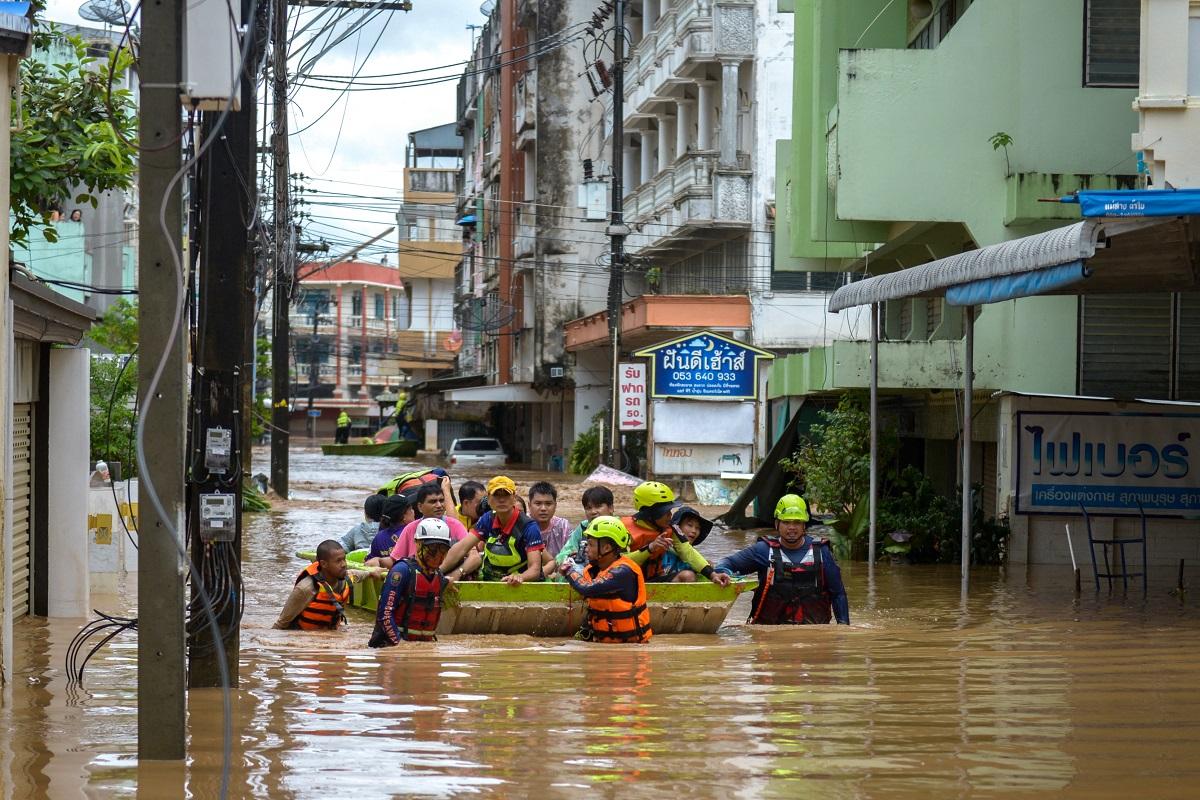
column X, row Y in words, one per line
column 1120, row 544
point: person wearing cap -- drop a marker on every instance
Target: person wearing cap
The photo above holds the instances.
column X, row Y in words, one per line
column 361, row 535
column 397, row 512
column 612, row 584
column 512, row 540
column 799, row 582
column 410, row 603
column 653, row 534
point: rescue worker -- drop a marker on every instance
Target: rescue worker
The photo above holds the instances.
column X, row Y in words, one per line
column 612, row 584
column 321, row 593
column 512, row 541
column 342, row 435
column 799, row 582
column 410, row 604
column 653, row 535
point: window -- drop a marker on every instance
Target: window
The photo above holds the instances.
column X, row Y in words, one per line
column 939, row 24
column 378, row 306
column 356, row 304
column 1111, row 42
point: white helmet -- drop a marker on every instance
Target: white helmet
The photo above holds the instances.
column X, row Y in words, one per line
column 432, row 529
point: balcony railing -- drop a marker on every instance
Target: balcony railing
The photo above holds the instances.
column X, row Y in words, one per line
column 427, row 179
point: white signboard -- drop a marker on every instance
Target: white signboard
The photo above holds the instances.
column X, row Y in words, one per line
column 702, row 422
column 632, row 397
column 1108, row 463
column 700, row 459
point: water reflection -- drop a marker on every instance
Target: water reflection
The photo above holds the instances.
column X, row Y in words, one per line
column 1023, row 690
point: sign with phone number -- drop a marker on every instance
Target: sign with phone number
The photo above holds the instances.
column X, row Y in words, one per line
column 704, row 364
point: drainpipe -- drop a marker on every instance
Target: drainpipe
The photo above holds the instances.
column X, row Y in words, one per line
column 8, row 78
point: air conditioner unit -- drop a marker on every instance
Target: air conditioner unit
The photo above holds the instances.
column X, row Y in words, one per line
column 557, row 373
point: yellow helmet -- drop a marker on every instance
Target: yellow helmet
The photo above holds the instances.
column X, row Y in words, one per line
column 791, row 508
column 651, row 493
column 610, row 528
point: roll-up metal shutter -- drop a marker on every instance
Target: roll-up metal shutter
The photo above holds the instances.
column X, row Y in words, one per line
column 1125, row 345
column 22, row 494
column 1187, row 351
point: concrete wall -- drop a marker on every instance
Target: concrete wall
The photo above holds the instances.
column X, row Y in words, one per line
column 65, row 259
column 1168, row 102
column 68, row 469
column 1041, row 538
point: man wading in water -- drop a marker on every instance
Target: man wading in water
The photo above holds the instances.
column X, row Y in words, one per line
column 411, row 603
column 322, row 592
column 612, row 584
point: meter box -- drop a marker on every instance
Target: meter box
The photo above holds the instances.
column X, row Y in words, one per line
column 218, row 521
column 218, row 444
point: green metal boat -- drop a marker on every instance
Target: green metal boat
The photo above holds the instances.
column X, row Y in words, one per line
column 554, row 609
column 401, row 449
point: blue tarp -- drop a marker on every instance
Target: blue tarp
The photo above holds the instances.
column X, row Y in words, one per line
column 469, row 219
column 1136, row 202
column 16, row 9
column 1008, row 287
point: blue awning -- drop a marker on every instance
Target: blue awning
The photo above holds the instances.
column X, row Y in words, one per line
column 469, row 219
column 1010, row 287
column 1136, row 202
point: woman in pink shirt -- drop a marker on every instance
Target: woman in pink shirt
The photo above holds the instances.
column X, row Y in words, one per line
column 430, row 502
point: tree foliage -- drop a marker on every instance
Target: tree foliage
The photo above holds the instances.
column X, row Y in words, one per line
column 74, row 129
column 113, row 389
column 117, row 329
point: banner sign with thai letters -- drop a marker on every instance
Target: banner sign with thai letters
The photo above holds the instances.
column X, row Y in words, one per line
column 632, row 397
column 1108, row 463
column 704, row 365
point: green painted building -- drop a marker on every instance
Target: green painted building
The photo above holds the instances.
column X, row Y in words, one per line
column 895, row 161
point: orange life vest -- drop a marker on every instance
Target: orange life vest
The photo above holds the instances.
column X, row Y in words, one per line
column 325, row 612
column 642, row 537
column 612, row 619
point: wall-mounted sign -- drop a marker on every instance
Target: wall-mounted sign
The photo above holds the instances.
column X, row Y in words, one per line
column 632, row 397
column 1108, row 463
column 704, row 365
column 701, row 459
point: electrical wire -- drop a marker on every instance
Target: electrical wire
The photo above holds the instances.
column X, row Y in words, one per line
column 112, row 397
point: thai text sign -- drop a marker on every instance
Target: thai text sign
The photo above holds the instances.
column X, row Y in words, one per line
column 706, row 365
column 701, row 459
column 631, row 399
column 1108, row 462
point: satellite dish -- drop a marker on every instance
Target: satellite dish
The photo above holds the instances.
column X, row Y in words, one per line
column 110, row 12
column 487, row 7
column 487, row 314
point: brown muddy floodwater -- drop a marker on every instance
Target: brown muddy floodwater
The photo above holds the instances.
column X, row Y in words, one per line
column 1024, row 691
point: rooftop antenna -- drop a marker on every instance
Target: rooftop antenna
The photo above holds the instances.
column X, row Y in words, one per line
column 472, row 29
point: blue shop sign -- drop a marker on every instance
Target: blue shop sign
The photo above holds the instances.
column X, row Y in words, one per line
column 705, row 365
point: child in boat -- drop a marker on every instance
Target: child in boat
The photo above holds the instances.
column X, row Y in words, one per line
column 397, row 512
column 410, row 604
column 361, row 535
column 597, row 502
column 689, row 524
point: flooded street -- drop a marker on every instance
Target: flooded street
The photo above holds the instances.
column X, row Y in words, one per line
column 1023, row 692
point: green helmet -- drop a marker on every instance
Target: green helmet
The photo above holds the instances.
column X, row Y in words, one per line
column 609, row 528
column 652, row 493
column 791, row 508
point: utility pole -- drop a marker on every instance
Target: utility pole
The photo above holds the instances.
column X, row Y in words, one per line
column 161, row 698
column 616, row 226
column 222, row 365
column 282, row 261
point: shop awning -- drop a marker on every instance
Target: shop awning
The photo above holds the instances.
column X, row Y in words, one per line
column 1107, row 254
column 501, row 393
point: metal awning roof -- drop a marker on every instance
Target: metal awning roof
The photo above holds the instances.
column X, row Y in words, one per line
column 1092, row 256
column 500, row 393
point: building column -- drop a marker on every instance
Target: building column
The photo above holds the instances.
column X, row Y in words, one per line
column 704, row 115
column 650, row 15
column 666, row 136
column 629, row 164
column 647, row 155
column 683, row 124
column 729, row 113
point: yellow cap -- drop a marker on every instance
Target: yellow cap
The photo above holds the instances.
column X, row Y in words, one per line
column 501, row 483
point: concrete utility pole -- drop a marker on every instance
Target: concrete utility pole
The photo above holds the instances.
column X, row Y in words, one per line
column 507, row 209
column 161, row 705
column 616, row 226
column 282, row 261
column 222, row 363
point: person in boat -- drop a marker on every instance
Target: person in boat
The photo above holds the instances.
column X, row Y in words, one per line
column 691, row 525
column 361, row 535
column 321, row 593
column 555, row 530
column 597, row 502
column 653, row 535
column 799, row 582
column 409, row 482
column 397, row 512
column 410, row 604
column 342, row 434
column 512, row 541
column 470, row 496
column 430, row 504
column 612, row 584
